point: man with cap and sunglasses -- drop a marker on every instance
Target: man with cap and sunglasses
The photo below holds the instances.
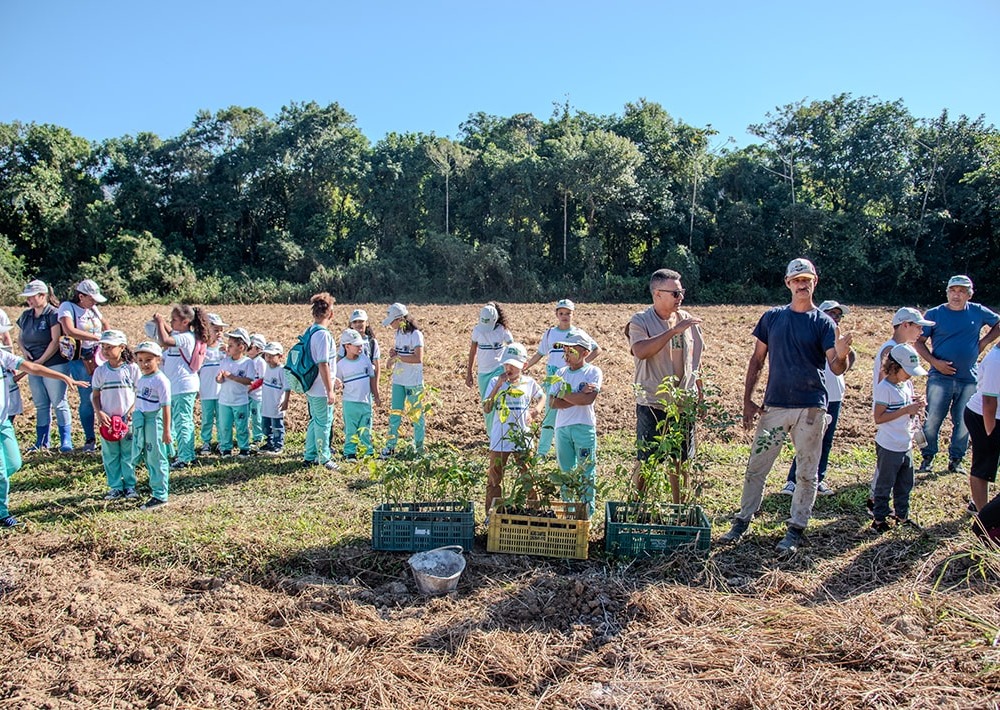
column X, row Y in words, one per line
column 800, row 340
column 955, row 346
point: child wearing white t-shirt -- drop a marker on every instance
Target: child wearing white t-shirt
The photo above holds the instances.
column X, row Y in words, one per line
column 490, row 337
column 274, row 400
column 208, row 387
column 355, row 377
column 151, row 438
column 114, row 385
column 406, row 360
column 236, row 373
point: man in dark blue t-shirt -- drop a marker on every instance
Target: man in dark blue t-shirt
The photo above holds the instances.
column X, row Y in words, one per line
column 801, row 340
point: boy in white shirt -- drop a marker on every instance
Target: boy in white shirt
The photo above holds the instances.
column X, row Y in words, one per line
column 257, row 344
column 236, row 373
column 355, row 377
column 274, row 401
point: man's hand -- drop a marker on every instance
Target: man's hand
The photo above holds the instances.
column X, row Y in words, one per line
column 750, row 412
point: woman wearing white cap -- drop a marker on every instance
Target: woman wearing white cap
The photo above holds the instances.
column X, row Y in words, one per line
column 490, row 337
column 39, row 341
column 82, row 325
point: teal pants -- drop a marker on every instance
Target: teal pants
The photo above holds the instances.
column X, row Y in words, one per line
column 229, row 417
column 576, row 449
column 256, row 422
column 484, row 382
column 549, row 422
column 318, row 430
column 357, row 427
column 119, row 466
column 147, row 444
column 402, row 395
column 209, row 417
column 182, row 425
column 10, row 462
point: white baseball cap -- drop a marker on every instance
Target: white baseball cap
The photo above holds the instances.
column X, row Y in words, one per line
column 909, row 315
column 258, row 341
column 351, row 337
column 216, row 319
column 488, row 315
column 34, row 288
column 514, row 354
column 89, row 288
column 273, row 348
column 831, row 305
column 576, row 338
column 800, row 267
column 239, row 334
column 960, row 280
column 908, row 359
column 359, row 314
column 396, row 310
column 113, row 337
column 148, row 346
column 565, row 303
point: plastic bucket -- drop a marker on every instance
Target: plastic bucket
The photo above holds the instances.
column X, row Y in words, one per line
column 437, row 571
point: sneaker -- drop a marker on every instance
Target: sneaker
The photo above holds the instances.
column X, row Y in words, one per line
column 387, row 453
column 205, row 450
column 227, row 452
column 114, row 494
column 971, row 507
column 789, row 489
column 153, row 504
column 278, row 451
column 243, row 454
column 956, row 466
column 824, row 490
column 89, row 447
column 880, row 526
column 906, row 522
column 175, row 465
column 870, row 507
column 37, row 449
column 789, row 544
column 331, row 466
column 9, row 522
column 926, row 465
column 735, row 532
column 131, row 494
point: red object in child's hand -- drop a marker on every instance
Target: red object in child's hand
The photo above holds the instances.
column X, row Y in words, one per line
column 256, row 384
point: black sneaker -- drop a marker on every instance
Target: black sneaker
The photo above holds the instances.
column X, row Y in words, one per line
column 971, row 507
column 956, row 466
column 9, row 522
column 926, row 465
column 790, row 544
column 153, row 504
column 114, row 494
column 735, row 532
column 907, row 523
column 881, row 526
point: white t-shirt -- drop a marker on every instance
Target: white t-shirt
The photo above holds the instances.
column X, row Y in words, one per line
column 208, row 388
column 408, row 374
column 274, row 388
column 322, row 349
column 152, row 392
column 577, row 414
column 86, row 319
column 490, row 344
column 895, row 435
column 117, row 387
column 554, row 354
column 231, row 393
column 357, row 376
column 9, row 362
column 183, row 380
column 989, row 382
column 518, row 406
column 259, row 368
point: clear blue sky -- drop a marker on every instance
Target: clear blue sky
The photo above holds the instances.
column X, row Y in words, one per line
column 110, row 68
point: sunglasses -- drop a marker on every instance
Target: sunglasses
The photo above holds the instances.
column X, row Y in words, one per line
column 679, row 293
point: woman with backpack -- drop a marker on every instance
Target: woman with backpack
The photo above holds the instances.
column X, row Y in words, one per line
column 184, row 347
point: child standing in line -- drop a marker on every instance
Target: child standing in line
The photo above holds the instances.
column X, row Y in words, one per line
column 359, row 322
column 275, row 400
column 523, row 401
column 208, row 388
column 114, row 385
column 151, row 438
column 897, row 413
column 10, row 454
column 406, row 359
column 548, row 348
column 576, row 424
column 185, row 345
column 320, row 395
column 489, row 338
column 255, row 353
column 236, row 374
column 356, row 378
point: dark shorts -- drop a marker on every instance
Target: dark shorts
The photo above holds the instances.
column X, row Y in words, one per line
column 985, row 449
column 648, row 432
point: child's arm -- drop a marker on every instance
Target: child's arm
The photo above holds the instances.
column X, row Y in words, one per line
column 166, row 424
column 283, row 402
column 327, row 380
column 18, row 376
column 373, row 385
column 882, row 414
column 468, row 365
column 246, row 381
column 415, row 358
column 163, row 333
column 102, row 418
column 490, row 400
column 33, row 368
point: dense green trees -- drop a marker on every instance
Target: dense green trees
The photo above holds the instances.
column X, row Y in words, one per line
column 244, row 207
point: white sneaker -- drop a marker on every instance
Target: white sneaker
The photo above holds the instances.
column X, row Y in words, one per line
column 788, row 490
column 824, row 490
column 331, row 466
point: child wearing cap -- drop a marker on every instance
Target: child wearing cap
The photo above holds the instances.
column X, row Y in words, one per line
column 113, row 391
column 274, row 401
column 406, row 360
column 897, row 415
column 359, row 322
column 151, row 438
column 572, row 396
column 355, row 378
column 548, row 348
column 256, row 355
column 489, row 338
column 520, row 401
column 82, row 324
column 208, row 386
column 10, row 454
column 187, row 331
column 236, row 373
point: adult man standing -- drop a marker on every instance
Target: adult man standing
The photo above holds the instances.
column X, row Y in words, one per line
column 954, row 351
column 801, row 340
column 665, row 342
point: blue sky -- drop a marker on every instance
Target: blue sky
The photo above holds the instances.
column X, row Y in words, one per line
column 105, row 69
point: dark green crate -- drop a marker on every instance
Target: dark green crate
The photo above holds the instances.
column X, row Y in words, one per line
column 678, row 527
column 415, row 527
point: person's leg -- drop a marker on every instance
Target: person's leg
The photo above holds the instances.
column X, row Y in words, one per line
column 807, row 436
column 78, row 371
column 352, row 421
column 364, row 423
column 256, row 423
column 833, row 412
column 414, row 397
column 227, row 418
column 182, row 425
column 58, row 399
column 395, row 415
column 902, row 487
column 4, row 489
column 111, row 455
column 10, row 450
column 773, row 427
column 886, row 467
column 157, row 456
column 278, row 432
column 209, row 418
column 483, row 380
column 960, row 434
column 938, row 402
column 43, row 421
column 584, row 438
column 494, row 477
column 985, row 457
column 647, row 428
column 241, row 415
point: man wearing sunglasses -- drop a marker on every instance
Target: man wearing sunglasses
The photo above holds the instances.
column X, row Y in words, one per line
column 665, row 342
column 800, row 340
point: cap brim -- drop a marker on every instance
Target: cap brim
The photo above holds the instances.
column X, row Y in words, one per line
column 516, row 363
column 99, row 298
column 388, row 321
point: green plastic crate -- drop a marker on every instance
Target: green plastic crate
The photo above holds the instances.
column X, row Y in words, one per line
column 416, row 527
column 677, row 527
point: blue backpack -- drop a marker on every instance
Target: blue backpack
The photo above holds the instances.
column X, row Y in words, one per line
column 300, row 364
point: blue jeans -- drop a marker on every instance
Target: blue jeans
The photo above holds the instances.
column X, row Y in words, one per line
column 274, row 432
column 944, row 393
column 78, row 371
column 833, row 410
column 47, row 393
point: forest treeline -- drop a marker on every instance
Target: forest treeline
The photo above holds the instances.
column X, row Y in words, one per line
column 246, row 208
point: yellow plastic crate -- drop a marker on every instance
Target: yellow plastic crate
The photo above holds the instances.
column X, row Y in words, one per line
column 562, row 536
